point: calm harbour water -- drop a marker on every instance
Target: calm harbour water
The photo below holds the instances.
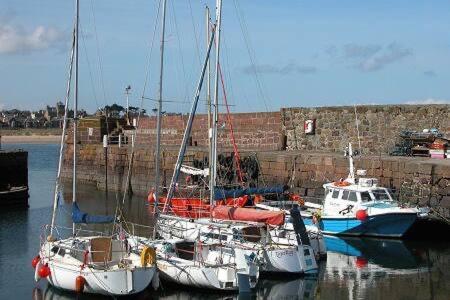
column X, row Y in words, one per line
column 355, row 268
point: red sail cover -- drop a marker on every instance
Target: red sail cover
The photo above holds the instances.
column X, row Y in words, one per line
column 195, row 208
column 248, row 214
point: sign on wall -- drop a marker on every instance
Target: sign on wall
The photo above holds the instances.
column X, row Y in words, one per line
column 310, row 126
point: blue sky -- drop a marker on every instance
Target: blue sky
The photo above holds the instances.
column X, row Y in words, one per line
column 305, row 53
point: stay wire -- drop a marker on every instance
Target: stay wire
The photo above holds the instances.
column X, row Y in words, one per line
column 88, row 65
column 250, row 51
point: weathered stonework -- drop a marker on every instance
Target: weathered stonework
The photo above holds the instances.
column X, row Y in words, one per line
column 311, row 161
column 418, row 181
column 379, row 125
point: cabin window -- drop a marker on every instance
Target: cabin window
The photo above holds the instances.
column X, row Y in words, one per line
column 380, row 194
column 251, row 234
column 345, row 195
column 335, row 194
column 365, row 197
column 352, row 196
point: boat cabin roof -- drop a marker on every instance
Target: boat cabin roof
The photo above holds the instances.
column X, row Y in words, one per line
column 361, row 185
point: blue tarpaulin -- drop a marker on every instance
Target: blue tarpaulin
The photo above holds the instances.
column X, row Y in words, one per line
column 81, row 217
column 220, row 193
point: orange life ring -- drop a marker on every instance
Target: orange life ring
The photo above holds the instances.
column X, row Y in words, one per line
column 341, row 183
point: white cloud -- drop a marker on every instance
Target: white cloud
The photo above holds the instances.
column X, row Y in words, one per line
column 428, row 101
column 370, row 57
column 283, row 70
column 360, row 51
column 16, row 40
column 393, row 53
column 429, row 73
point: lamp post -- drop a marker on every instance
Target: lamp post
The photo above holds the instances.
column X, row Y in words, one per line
column 127, row 92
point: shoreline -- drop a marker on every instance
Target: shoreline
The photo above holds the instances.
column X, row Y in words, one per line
column 30, row 139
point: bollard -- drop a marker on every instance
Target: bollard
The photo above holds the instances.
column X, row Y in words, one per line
column 120, row 140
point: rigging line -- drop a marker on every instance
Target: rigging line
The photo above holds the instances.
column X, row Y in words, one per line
column 88, row 64
column 195, row 34
column 149, row 58
column 179, row 101
column 179, row 51
column 227, row 69
column 98, row 54
column 250, row 53
column 134, row 135
column 230, row 123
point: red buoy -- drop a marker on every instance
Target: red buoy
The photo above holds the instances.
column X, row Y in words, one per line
column 44, row 271
column 80, row 281
column 361, row 214
column 361, row 262
column 35, row 261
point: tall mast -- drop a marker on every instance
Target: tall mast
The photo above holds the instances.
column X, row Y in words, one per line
column 75, row 112
column 63, row 135
column 187, row 131
column 350, row 161
column 208, row 88
column 213, row 175
column 158, row 118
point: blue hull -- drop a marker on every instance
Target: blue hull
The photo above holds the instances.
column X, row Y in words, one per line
column 384, row 225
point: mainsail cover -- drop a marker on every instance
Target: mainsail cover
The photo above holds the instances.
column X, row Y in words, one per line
column 248, row 214
column 220, row 193
column 81, row 217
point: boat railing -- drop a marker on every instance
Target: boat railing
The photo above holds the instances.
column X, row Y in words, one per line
column 240, row 240
column 109, row 256
column 135, row 229
column 64, row 232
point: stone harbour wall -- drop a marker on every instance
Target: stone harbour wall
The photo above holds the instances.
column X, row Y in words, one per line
column 418, row 181
column 378, row 125
column 251, row 130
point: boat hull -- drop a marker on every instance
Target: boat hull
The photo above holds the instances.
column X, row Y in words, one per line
column 298, row 260
column 381, row 225
column 283, row 259
column 115, row 282
column 214, row 278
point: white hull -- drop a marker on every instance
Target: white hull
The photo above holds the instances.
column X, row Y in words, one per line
column 218, row 278
column 277, row 257
column 116, row 282
column 124, row 278
column 287, row 236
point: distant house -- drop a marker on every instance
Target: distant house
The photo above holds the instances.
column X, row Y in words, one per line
column 50, row 113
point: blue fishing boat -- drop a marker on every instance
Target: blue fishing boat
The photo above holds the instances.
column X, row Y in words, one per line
column 359, row 207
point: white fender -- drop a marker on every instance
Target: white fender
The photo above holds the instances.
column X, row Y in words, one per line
column 36, row 274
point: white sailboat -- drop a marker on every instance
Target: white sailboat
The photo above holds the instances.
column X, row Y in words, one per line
column 251, row 237
column 279, row 257
column 190, row 262
column 86, row 261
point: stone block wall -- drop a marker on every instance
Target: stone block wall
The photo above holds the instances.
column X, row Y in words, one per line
column 99, row 126
column 251, row 130
column 379, row 125
column 418, row 181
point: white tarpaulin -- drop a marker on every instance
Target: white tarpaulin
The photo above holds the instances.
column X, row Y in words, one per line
column 194, row 171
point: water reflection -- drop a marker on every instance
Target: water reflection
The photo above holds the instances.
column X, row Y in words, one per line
column 294, row 288
column 355, row 268
column 363, row 267
column 374, row 253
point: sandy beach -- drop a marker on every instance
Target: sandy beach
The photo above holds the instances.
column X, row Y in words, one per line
column 29, row 139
